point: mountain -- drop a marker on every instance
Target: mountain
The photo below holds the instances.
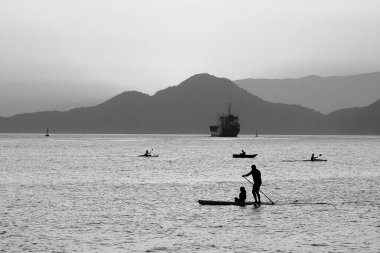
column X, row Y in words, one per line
column 332, row 121
column 364, row 120
column 189, row 107
column 324, row 94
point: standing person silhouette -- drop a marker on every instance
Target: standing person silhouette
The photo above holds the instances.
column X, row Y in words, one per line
column 256, row 176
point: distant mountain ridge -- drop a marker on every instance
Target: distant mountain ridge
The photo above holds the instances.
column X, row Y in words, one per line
column 189, row 108
column 324, row 94
column 363, row 120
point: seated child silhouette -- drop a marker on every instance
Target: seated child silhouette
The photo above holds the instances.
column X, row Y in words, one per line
column 242, row 195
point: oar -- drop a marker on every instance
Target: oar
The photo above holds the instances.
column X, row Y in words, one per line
column 260, row 191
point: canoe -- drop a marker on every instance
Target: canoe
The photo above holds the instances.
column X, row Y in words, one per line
column 229, row 203
column 148, row 155
column 243, row 156
column 315, row 160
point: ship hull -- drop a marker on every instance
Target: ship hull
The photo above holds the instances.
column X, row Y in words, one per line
column 225, row 131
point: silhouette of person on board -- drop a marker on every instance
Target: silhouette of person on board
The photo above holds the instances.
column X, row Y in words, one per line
column 242, row 195
column 256, row 176
column 242, row 152
column 313, row 157
column 146, row 153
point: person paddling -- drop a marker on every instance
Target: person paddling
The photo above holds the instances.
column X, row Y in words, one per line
column 147, row 153
column 242, row 195
column 256, row 176
column 242, row 153
column 313, row 157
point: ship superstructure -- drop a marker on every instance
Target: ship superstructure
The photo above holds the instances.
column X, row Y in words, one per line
column 227, row 125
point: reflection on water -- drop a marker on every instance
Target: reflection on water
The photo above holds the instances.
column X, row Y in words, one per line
column 91, row 193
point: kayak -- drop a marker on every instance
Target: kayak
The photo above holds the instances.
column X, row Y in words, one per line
column 229, row 203
column 148, row 155
column 315, row 160
column 243, row 156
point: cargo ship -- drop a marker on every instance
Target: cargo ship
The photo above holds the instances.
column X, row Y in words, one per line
column 227, row 126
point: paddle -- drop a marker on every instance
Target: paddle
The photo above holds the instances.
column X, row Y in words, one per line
column 260, row 191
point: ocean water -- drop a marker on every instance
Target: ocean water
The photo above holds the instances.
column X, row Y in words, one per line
column 92, row 193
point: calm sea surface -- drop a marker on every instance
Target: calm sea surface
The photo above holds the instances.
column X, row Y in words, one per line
column 91, row 193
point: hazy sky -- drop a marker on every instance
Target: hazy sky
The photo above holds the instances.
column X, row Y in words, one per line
column 59, row 54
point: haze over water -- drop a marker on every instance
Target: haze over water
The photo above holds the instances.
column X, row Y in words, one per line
column 91, row 193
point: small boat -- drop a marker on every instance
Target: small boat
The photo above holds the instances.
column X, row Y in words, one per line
column 229, row 203
column 315, row 160
column 148, row 155
column 244, row 156
column 47, row 132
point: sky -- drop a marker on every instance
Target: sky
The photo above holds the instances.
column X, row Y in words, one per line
column 61, row 54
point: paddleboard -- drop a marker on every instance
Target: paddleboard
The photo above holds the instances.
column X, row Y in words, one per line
column 315, row 160
column 229, row 203
column 148, row 155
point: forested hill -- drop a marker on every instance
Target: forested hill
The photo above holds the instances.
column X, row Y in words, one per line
column 190, row 107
